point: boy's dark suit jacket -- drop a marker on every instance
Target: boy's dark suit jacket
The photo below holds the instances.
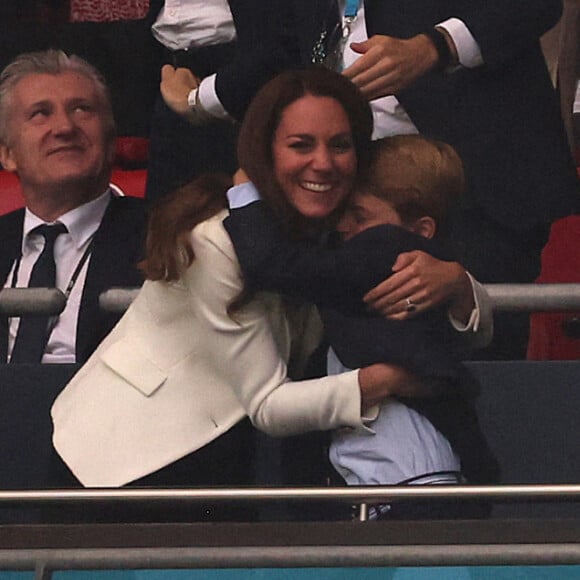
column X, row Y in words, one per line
column 336, row 280
column 117, row 248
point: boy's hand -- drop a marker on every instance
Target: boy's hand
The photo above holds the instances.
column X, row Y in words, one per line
column 380, row 381
column 240, row 176
column 425, row 282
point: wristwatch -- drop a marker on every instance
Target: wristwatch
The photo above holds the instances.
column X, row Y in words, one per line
column 193, row 98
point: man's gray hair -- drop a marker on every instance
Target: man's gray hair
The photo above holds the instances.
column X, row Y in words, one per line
column 52, row 62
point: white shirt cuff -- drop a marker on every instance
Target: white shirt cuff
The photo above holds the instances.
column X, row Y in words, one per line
column 242, row 195
column 473, row 322
column 209, row 100
column 468, row 50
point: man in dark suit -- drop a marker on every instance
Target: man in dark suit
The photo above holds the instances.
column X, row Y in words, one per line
column 501, row 115
column 218, row 54
column 57, row 134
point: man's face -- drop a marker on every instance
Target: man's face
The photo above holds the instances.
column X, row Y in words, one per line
column 365, row 211
column 57, row 135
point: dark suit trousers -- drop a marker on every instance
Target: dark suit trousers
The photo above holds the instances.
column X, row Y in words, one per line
column 227, row 461
column 180, row 151
column 495, row 254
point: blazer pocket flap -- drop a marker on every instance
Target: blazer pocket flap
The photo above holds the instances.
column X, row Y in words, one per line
column 136, row 369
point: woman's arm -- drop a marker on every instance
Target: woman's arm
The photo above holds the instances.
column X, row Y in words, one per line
column 245, row 354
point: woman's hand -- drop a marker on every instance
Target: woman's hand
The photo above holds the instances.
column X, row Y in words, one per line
column 380, row 380
column 419, row 283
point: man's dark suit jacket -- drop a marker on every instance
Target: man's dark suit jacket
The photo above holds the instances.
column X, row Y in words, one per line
column 118, row 246
column 503, row 118
column 266, row 45
column 336, row 280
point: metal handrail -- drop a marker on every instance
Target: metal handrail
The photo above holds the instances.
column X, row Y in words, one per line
column 223, row 556
column 504, row 297
column 117, row 299
column 350, row 494
column 534, row 297
column 31, row 301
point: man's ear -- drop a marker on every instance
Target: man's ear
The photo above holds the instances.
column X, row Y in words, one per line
column 425, row 226
column 7, row 159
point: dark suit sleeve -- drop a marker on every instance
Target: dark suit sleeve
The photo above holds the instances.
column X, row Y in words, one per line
column 425, row 345
column 336, row 280
column 267, row 45
column 503, row 29
column 332, row 277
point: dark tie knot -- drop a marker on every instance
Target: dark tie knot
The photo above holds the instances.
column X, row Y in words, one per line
column 50, row 232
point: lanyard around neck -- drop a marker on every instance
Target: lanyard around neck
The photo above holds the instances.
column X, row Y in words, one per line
column 73, row 278
column 351, row 8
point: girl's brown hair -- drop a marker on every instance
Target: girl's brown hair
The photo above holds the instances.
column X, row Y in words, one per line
column 263, row 117
column 168, row 246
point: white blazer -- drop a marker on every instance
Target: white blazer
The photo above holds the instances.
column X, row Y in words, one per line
column 178, row 371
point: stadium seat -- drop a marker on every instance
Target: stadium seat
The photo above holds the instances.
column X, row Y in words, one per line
column 129, row 173
column 556, row 335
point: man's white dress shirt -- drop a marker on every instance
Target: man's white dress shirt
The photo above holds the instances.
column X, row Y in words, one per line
column 81, row 223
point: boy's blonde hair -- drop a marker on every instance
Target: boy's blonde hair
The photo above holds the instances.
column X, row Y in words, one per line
column 417, row 176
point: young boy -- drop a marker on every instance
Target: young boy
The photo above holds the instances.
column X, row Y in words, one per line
column 412, row 184
column 401, row 205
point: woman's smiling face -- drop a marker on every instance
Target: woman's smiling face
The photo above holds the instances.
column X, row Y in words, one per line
column 314, row 156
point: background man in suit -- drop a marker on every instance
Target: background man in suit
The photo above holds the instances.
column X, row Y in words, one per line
column 225, row 51
column 57, row 134
column 561, row 46
column 472, row 74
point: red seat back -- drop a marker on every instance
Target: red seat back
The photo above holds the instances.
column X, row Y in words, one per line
column 560, row 264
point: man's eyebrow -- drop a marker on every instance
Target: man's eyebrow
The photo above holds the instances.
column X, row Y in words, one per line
column 40, row 103
column 74, row 100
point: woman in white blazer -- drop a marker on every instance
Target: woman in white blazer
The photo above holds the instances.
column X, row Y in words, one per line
column 193, row 355
column 180, row 370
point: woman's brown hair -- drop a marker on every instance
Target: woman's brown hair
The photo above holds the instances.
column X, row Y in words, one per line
column 168, row 246
column 263, row 117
